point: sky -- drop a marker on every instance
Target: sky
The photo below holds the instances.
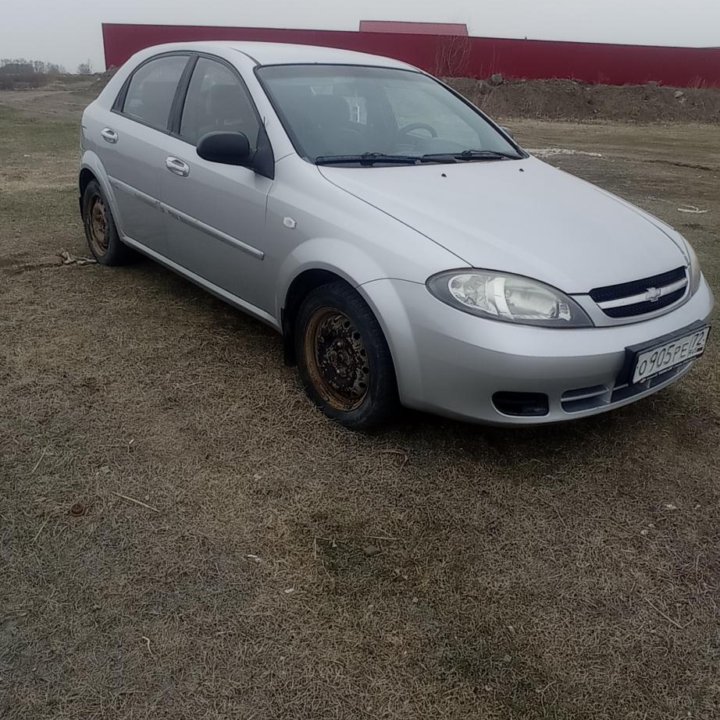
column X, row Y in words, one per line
column 68, row 32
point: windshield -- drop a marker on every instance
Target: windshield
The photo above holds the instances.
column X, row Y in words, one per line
column 368, row 115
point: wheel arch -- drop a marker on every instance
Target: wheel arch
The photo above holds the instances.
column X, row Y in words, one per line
column 317, row 261
column 378, row 295
column 85, row 178
column 91, row 169
column 300, row 287
column 307, row 280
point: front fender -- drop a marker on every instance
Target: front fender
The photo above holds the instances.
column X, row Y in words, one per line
column 341, row 257
column 381, row 294
column 385, row 298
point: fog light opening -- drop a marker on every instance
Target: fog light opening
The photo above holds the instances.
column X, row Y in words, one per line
column 519, row 404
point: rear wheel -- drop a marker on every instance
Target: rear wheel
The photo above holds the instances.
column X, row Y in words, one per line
column 100, row 229
column 344, row 359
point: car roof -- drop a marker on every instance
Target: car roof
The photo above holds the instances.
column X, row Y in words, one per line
column 265, row 53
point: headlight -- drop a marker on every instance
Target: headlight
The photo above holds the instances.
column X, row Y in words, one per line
column 506, row 297
column 695, row 271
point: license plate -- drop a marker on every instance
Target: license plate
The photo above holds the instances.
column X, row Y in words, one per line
column 670, row 354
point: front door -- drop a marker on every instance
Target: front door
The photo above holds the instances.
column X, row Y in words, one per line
column 216, row 213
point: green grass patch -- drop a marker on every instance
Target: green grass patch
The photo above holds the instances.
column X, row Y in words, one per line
column 22, row 135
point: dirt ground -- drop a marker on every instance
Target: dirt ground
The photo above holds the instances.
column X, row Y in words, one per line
column 183, row 536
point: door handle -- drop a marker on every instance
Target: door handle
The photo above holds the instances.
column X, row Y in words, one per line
column 109, row 135
column 177, row 166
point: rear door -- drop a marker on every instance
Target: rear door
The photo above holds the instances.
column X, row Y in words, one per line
column 129, row 145
column 216, row 213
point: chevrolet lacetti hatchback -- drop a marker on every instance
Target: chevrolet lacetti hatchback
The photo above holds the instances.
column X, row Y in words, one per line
column 408, row 250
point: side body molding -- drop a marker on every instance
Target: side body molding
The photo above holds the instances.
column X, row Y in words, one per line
column 187, row 219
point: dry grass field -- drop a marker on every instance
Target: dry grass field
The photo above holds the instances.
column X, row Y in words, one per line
column 183, row 536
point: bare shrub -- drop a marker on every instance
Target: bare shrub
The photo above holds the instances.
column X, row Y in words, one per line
column 452, row 58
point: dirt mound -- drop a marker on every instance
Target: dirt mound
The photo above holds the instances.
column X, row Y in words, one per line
column 100, row 81
column 65, row 96
column 570, row 100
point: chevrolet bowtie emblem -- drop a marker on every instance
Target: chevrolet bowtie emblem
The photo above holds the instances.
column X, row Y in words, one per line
column 653, row 294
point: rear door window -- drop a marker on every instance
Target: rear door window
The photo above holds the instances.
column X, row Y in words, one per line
column 151, row 91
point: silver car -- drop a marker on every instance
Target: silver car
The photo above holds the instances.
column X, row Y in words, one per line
column 408, row 250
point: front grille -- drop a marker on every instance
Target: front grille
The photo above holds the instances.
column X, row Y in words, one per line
column 645, row 307
column 585, row 398
column 574, row 401
column 623, row 392
column 642, row 296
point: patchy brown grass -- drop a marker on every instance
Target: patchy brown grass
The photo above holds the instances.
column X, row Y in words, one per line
column 269, row 564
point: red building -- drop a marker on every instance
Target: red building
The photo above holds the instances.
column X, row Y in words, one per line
column 448, row 51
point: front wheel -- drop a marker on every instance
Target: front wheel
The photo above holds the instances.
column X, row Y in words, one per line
column 344, row 359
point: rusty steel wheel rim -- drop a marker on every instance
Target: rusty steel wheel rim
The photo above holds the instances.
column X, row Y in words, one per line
column 336, row 359
column 98, row 226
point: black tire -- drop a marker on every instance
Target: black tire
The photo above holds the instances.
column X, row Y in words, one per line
column 343, row 358
column 100, row 229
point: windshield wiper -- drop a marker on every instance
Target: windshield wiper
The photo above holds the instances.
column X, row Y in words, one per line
column 368, row 159
column 374, row 158
column 471, row 155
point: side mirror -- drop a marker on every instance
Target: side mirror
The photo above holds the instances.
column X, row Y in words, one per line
column 227, row 148
column 507, row 131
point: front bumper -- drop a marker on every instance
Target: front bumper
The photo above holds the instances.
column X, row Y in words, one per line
column 452, row 363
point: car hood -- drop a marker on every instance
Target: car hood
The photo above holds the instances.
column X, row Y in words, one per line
column 522, row 216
